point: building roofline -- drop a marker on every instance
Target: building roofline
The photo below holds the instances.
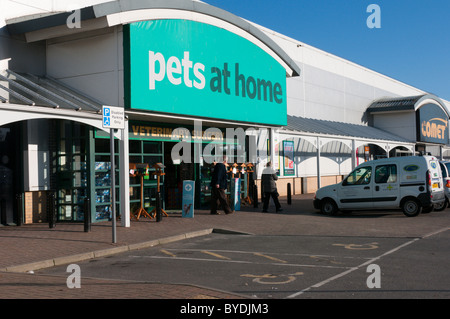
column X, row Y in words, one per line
column 27, row 24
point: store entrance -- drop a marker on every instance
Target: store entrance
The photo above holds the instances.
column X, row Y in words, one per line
column 176, row 173
column 9, row 171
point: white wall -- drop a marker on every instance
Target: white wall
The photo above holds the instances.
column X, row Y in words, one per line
column 10, row 9
column 402, row 124
column 91, row 63
column 332, row 88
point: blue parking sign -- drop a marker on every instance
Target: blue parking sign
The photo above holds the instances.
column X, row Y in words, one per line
column 113, row 117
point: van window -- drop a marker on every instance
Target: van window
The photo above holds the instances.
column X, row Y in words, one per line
column 359, row 176
column 386, row 174
column 444, row 169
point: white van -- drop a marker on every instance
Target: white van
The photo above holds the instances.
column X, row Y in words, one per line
column 411, row 183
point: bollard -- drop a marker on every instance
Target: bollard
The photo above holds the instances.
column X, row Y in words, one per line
column 255, row 196
column 3, row 211
column 158, row 207
column 262, row 194
column 51, row 209
column 289, row 199
column 87, row 215
column 19, row 209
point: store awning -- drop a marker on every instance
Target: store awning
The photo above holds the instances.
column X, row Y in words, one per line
column 26, row 97
column 28, row 89
column 402, row 104
column 340, row 129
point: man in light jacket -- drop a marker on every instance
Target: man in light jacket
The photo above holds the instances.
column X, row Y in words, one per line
column 269, row 187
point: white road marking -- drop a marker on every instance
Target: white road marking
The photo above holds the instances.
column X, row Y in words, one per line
column 366, row 263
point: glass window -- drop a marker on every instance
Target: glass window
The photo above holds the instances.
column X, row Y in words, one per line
column 71, row 169
column 386, row 174
column 444, row 169
column 135, row 147
column 360, row 176
column 152, row 147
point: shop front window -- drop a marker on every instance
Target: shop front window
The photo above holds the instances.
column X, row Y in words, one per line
column 71, row 170
column 149, row 153
column 102, row 177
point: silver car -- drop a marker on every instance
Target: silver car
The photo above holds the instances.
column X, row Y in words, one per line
column 445, row 168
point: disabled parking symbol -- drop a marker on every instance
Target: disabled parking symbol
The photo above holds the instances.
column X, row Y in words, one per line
column 358, row 247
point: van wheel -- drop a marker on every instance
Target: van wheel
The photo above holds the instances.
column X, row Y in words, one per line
column 441, row 206
column 329, row 207
column 411, row 207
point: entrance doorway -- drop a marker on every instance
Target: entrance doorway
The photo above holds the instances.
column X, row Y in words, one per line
column 9, row 172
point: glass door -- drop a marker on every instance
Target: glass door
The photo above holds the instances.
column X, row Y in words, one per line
column 71, row 171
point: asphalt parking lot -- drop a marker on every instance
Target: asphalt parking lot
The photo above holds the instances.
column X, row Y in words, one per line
column 288, row 267
column 299, row 253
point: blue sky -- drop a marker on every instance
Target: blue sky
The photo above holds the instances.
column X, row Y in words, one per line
column 412, row 45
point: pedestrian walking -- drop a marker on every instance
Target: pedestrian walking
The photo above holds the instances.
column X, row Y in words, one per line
column 218, row 187
column 269, row 187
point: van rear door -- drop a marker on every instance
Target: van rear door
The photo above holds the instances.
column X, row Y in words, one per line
column 435, row 175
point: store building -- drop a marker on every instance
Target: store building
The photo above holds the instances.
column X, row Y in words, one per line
column 341, row 114
column 178, row 70
column 191, row 78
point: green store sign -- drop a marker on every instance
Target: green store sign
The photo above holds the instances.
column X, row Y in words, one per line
column 191, row 68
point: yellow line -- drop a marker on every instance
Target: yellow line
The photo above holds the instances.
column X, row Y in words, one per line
column 270, row 257
column 167, row 253
column 215, row 255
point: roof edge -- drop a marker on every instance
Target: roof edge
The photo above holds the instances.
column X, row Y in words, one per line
column 408, row 103
column 40, row 22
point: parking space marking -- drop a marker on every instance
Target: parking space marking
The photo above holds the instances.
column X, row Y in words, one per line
column 167, row 253
column 325, row 259
column 270, row 257
column 342, row 274
column 215, row 255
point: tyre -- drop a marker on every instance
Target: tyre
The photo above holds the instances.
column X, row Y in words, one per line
column 411, row 207
column 329, row 207
column 441, row 206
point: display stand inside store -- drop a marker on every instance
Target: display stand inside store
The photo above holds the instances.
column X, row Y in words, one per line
column 158, row 172
column 141, row 170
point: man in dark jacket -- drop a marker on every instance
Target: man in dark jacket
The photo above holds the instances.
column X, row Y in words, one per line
column 269, row 186
column 218, row 187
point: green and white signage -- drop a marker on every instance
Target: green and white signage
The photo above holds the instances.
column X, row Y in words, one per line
column 191, row 68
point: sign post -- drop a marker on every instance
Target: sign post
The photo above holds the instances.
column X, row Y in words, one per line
column 114, row 119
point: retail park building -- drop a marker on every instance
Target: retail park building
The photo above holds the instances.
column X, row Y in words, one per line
column 185, row 72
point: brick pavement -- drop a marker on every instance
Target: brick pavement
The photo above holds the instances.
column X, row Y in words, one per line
column 30, row 286
column 31, row 247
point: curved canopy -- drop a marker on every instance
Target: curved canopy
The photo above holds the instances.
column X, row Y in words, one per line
column 410, row 103
column 126, row 11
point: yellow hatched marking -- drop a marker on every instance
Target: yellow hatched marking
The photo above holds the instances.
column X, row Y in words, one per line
column 215, row 255
column 270, row 257
column 168, row 253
